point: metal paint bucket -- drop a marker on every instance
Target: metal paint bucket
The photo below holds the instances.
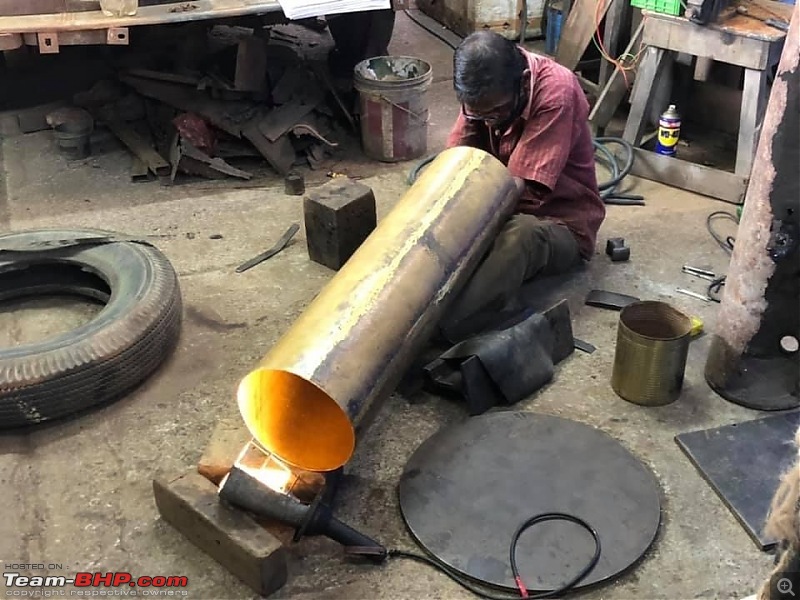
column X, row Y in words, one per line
column 73, row 138
column 650, row 358
column 394, row 107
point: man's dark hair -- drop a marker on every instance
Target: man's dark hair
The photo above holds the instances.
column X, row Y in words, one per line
column 486, row 62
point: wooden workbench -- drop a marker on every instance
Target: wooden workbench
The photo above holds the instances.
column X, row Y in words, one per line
column 736, row 39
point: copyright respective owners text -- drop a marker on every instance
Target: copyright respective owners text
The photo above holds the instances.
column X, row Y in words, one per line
column 53, row 580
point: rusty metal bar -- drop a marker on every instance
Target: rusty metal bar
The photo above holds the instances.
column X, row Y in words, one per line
column 752, row 360
column 353, row 343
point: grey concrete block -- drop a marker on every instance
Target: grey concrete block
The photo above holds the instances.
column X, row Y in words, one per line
column 339, row 216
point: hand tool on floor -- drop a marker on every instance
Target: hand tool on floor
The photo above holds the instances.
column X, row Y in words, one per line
column 280, row 245
column 617, row 250
column 693, row 294
column 609, row 300
column 701, row 273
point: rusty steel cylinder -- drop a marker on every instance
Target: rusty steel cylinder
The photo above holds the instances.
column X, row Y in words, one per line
column 753, row 360
column 325, row 376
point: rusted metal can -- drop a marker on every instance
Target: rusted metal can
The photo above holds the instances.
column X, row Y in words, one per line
column 650, row 358
column 394, row 107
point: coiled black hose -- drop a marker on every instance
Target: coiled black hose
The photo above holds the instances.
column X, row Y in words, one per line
column 608, row 189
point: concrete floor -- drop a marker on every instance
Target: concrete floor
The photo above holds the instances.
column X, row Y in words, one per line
column 79, row 493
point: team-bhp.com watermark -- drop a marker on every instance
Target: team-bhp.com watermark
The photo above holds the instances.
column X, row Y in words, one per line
column 85, row 584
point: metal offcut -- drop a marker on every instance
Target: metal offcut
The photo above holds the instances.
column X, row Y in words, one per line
column 353, row 343
column 650, row 359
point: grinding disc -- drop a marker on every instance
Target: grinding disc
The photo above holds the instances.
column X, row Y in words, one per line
column 468, row 487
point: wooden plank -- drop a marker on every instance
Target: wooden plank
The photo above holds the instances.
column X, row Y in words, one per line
column 689, row 176
column 615, row 89
column 146, row 15
column 754, row 100
column 577, row 31
column 191, row 505
column 644, row 92
column 702, row 68
column 680, row 35
column 140, row 147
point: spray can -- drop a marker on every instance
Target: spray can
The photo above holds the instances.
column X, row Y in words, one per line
column 669, row 131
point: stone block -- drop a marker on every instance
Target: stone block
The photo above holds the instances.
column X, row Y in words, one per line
column 339, row 216
column 190, row 504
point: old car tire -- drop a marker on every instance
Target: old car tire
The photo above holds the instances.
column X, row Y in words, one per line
column 100, row 361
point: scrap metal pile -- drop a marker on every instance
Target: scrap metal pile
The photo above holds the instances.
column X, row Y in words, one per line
column 259, row 98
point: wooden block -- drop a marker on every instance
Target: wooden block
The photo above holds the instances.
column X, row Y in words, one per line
column 191, row 505
column 689, row 176
column 339, row 216
column 227, row 441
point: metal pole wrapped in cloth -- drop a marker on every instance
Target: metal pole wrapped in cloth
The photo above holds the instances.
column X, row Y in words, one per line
column 754, row 359
column 352, row 344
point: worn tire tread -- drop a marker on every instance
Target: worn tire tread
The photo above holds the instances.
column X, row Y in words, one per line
column 101, row 368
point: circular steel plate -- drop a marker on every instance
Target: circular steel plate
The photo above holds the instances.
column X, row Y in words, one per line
column 468, row 487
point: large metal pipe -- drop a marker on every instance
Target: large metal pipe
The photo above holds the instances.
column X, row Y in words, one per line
column 352, row 344
column 753, row 360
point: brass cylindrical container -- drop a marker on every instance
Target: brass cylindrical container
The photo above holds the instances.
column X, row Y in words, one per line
column 353, row 343
column 650, row 359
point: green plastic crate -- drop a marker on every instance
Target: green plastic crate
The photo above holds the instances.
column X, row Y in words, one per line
column 667, row 7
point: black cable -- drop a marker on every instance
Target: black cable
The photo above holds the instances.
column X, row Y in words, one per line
column 715, row 287
column 482, row 591
column 433, row 32
column 608, row 189
column 727, row 242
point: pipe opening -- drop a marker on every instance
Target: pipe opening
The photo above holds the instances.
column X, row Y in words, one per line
column 656, row 321
column 295, row 420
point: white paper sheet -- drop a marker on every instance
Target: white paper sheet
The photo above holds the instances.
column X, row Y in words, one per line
column 304, row 9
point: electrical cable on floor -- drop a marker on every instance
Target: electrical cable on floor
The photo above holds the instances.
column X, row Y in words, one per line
column 433, row 32
column 726, row 243
column 608, row 189
column 523, row 590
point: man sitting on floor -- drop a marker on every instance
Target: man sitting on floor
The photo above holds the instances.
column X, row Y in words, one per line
column 530, row 113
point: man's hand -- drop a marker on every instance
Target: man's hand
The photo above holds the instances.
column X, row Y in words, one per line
column 533, row 188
